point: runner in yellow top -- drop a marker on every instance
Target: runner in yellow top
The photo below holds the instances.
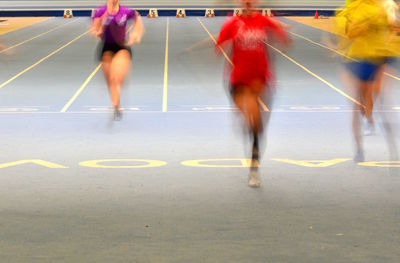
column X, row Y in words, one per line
column 364, row 28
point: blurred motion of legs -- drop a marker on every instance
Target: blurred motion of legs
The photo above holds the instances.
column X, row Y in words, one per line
column 382, row 96
column 366, row 83
column 115, row 68
column 247, row 100
column 372, row 22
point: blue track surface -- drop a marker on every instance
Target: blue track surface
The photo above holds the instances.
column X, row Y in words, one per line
column 190, row 202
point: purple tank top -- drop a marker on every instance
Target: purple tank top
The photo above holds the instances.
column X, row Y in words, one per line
column 115, row 24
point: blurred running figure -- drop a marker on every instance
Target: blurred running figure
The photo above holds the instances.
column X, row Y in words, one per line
column 365, row 29
column 109, row 24
column 251, row 72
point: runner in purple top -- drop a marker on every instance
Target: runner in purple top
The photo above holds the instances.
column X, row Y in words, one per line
column 109, row 25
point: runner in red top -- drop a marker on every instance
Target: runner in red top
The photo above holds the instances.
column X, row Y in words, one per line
column 251, row 73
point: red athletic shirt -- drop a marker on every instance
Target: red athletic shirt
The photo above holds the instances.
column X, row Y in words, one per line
column 248, row 35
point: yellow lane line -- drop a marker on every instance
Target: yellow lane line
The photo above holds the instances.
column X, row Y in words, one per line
column 33, row 38
column 41, row 60
column 165, row 88
column 336, row 51
column 263, row 105
column 316, row 76
column 79, row 91
column 13, row 24
column 215, row 42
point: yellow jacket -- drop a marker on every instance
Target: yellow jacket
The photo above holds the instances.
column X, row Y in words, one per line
column 364, row 30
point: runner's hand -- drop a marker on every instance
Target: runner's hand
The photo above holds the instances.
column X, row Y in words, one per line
column 133, row 39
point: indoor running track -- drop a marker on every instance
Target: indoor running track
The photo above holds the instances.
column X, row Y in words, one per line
column 168, row 183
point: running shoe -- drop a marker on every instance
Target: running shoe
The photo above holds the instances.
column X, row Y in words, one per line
column 254, row 179
column 117, row 114
column 359, row 156
column 369, row 128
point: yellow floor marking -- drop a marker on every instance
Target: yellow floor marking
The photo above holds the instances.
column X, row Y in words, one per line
column 41, row 60
column 143, row 163
column 262, row 104
column 392, row 76
column 327, row 25
column 313, row 163
column 34, row 161
column 15, row 23
column 316, row 76
column 215, row 42
column 386, row 164
column 165, row 87
column 129, row 29
column 79, row 91
column 42, row 34
column 321, row 45
column 205, row 163
column 332, row 49
column 213, row 163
